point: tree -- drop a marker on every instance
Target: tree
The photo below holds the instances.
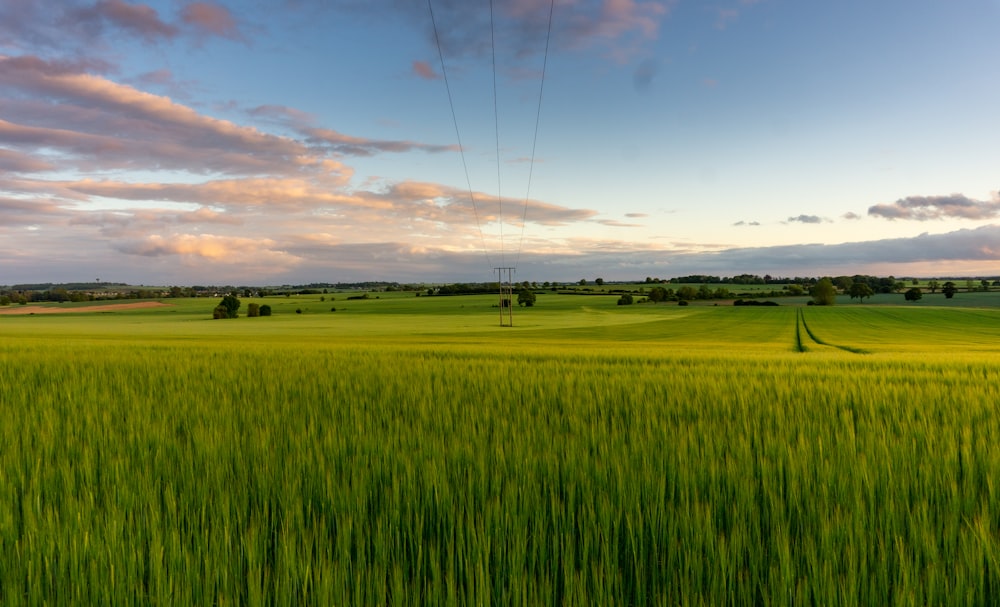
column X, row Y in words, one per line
column 933, row 286
column 526, row 298
column 860, row 290
column 600, row 282
column 824, row 293
column 949, row 289
column 625, row 300
column 227, row 308
column 913, row 294
column 657, row 294
column 265, row 310
column 583, row 282
column 985, row 284
column 687, row 292
column 253, row 310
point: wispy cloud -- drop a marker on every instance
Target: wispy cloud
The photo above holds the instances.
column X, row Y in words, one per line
column 211, row 19
column 136, row 19
column 424, row 70
column 926, row 208
column 806, row 219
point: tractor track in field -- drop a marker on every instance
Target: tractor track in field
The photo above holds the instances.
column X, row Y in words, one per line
column 800, row 346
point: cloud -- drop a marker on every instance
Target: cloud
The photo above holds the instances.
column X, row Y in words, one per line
column 128, row 223
column 926, row 208
column 208, row 18
column 619, row 27
column 425, row 71
column 135, row 19
column 29, row 211
column 202, row 245
column 85, row 27
column 359, row 146
column 96, row 123
column 614, row 223
column 747, row 223
column 806, row 219
column 851, row 216
column 16, row 162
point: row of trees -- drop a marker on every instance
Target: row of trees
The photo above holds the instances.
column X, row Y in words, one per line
column 824, row 292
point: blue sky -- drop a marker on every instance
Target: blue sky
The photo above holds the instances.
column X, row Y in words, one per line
column 293, row 141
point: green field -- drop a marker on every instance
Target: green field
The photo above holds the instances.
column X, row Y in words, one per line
column 407, row 450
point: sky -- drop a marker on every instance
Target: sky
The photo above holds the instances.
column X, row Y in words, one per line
column 270, row 142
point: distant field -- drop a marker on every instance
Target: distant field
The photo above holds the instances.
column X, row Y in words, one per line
column 407, row 450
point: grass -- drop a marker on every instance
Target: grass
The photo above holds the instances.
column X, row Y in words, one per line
column 409, row 451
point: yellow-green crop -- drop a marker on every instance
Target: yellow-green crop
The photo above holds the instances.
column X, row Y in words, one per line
column 402, row 453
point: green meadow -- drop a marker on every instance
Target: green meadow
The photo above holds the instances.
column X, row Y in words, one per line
column 408, row 450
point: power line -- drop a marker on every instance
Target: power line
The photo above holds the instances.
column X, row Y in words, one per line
column 534, row 140
column 458, row 136
column 496, row 131
column 496, row 127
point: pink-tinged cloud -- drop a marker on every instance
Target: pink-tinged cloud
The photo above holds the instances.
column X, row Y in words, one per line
column 150, row 129
column 623, row 25
column 135, row 222
column 22, row 212
column 230, row 249
column 359, row 146
column 15, row 162
column 138, row 19
column 238, row 194
column 211, row 18
column 453, row 205
column 425, row 71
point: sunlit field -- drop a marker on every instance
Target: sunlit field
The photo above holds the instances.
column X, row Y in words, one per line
column 410, row 451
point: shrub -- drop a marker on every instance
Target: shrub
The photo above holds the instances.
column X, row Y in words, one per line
column 265, row 310
column 298, row 310
column 253, row 310
column 625, row 300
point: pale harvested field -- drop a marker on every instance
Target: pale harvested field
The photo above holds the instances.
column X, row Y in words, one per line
column 64, row 310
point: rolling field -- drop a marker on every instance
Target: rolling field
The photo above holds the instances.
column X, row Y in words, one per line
column 405, row 451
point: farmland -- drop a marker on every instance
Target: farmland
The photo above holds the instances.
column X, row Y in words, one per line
column 406, row 450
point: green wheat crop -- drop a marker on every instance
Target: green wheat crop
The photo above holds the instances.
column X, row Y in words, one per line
column 661, row 456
